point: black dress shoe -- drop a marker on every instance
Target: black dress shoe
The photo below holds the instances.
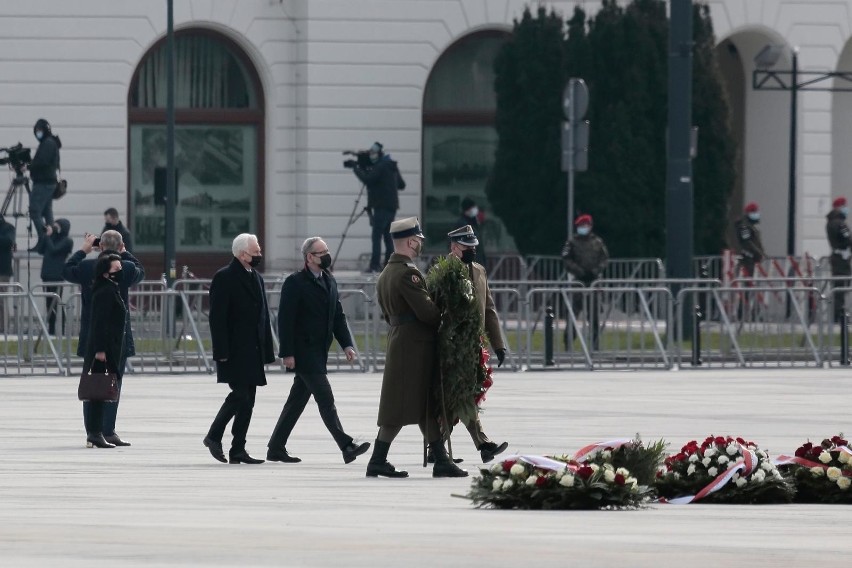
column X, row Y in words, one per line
column 96, row 440
column 243, row 457
column 430, row 458
column 115, row 440
column 215, row 449
column 281, row 455
column 352, row 451
column 489, row 449
column 385, row 469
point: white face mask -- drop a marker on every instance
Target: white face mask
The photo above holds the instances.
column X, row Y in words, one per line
column 845, row 211
column 39, row 134
column 584, row 230
column 754, row 216
column 473, row 211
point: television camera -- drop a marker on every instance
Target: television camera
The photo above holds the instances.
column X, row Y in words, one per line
column 362, row 159
column 17, row 157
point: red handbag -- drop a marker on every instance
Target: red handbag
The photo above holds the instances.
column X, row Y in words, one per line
column 98, row 386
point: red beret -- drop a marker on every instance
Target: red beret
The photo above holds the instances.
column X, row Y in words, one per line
column 751, row 207
column 839, row 202
column 583, row 220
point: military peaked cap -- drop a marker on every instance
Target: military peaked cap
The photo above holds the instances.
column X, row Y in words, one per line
column 464, row 236
column 406, row 228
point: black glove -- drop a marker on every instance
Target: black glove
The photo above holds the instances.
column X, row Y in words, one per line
column 501, row 356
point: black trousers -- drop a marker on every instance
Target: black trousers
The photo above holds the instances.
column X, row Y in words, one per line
column 305, row 385
column 239, row 405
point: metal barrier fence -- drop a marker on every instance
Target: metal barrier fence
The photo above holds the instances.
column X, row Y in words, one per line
column 614, row 324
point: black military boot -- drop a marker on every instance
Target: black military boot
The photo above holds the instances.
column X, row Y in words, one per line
column 379, row 464
column 444, row 466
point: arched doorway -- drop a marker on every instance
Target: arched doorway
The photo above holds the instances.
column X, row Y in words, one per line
column 219, row 112
column 459, row 140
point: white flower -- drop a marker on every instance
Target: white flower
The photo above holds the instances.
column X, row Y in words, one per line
column 834, row 473
column 676, row 475
column 532, row 479
column 595, row 467
column 844, row 457
column 497, row 467
column 691, row 469
column 609, row 475
column 710, row 452
column 498, row 483
column 517, row 470
column 741, row 481
column 507, row 484
column 844, row 483
column 732, row 449
column 567, row 480
column 825, row 457
column 817, row 471
column 632, row 481
column 712, row 472
column 758, row 476
column 763, row 454
column 693, row 458
column 606, row 454
column 722, row 460
column 706, row 462
column 608, row 466
column 560, row 473
column 766, row 465
column 736, row 476
column 623, row 472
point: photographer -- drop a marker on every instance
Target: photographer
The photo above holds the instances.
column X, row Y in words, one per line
column 43, row 174
column 381, row 176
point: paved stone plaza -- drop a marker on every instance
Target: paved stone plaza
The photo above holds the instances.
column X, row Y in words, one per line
column 165, row 502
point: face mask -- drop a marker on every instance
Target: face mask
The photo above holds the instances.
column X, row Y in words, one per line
column 374, row 157
column 416, row 249
column 325, row 261
column 255, row 261
column 468, row 255
column 583, row 231
column 754, row 217
column 472, row 212
column 844, row 211
column 115, row 276
column 39, row 134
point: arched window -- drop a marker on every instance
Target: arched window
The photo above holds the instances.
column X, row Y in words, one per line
column 218, row 149
column 459, row 139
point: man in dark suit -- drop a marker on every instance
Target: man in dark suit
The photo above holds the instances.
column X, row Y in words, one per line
column 309, row 316
column 80, row 270
column 242, row 344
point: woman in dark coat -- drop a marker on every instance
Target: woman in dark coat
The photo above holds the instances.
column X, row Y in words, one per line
column 55, row 247
column 105, row 344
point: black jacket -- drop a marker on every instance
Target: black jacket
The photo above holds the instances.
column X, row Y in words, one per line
column 55, row 249
column 840, row 241
column 108, row 326
column 46, row 161
column 80, row 270
column 239, row 325
column 7, row 245
column 309, row 317
column 383, row 181
column 126, row 237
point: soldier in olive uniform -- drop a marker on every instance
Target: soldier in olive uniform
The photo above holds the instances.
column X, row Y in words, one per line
column 410, row 364
column 585, row 256
column 463, row 244
column 748, row 237
column 841, row 243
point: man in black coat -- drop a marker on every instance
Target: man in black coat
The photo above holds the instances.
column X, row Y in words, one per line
column 113, row 223
column 242, row 344
column 80, row 270
column 309, row 315
column 55, row 248
column 43, row 169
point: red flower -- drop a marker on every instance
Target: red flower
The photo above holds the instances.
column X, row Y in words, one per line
column 838, row 441
column 585, row 472
column 507, row 465
column 540, row 481
column 720, row 441
column 619, row 479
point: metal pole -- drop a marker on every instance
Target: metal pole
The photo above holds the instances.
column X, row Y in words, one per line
column 548, row 337
column 570, row 171
column 169, row 257
column 791, row 196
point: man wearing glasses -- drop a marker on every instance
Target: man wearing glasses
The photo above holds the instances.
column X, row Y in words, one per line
column 309, row 317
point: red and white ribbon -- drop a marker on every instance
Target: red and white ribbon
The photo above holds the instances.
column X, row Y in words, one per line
column 747, row 464
column 542, row 462
column 581, row 454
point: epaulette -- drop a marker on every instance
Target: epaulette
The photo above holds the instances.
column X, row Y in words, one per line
column 412, row 265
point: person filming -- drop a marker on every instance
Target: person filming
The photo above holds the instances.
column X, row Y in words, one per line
column 383, row 180
column 43, row 169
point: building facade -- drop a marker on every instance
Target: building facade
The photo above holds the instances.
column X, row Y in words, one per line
column 271, row 92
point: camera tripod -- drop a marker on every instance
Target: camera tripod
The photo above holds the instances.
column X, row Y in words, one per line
column 15, row 196
column 353, row 218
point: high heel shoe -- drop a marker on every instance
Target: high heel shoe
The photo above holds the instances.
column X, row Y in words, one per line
column 96, row 440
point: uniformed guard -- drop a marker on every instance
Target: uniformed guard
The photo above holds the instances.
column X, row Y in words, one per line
column 463, row 243
column 748, row 237
column 410, row 364
column 839, row 241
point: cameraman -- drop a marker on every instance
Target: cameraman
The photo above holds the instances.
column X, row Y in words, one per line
column 43, row 174
column 383, row 180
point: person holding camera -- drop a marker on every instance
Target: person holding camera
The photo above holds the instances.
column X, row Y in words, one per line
column 55, row 248
column 43, row 169
column 382, row 178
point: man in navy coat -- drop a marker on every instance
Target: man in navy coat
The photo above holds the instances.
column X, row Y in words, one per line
column 309, row 316
column 242, row 345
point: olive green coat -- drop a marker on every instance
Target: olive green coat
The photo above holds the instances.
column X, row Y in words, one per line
column 486, row 307
column 410, row 365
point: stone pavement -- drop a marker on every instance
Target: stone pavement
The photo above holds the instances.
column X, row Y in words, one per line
column 165, row 502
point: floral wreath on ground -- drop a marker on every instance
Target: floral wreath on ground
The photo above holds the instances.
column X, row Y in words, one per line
column 822, row 472
column 593, row 478
column 722, row 470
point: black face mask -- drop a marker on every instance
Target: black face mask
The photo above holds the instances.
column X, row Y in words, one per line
column 325, row 261
column 255, row 261
column 115, row 276
column 468, row 255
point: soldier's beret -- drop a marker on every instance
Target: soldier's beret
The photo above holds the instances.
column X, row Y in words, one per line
column 464, row 236
column 403, row 228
